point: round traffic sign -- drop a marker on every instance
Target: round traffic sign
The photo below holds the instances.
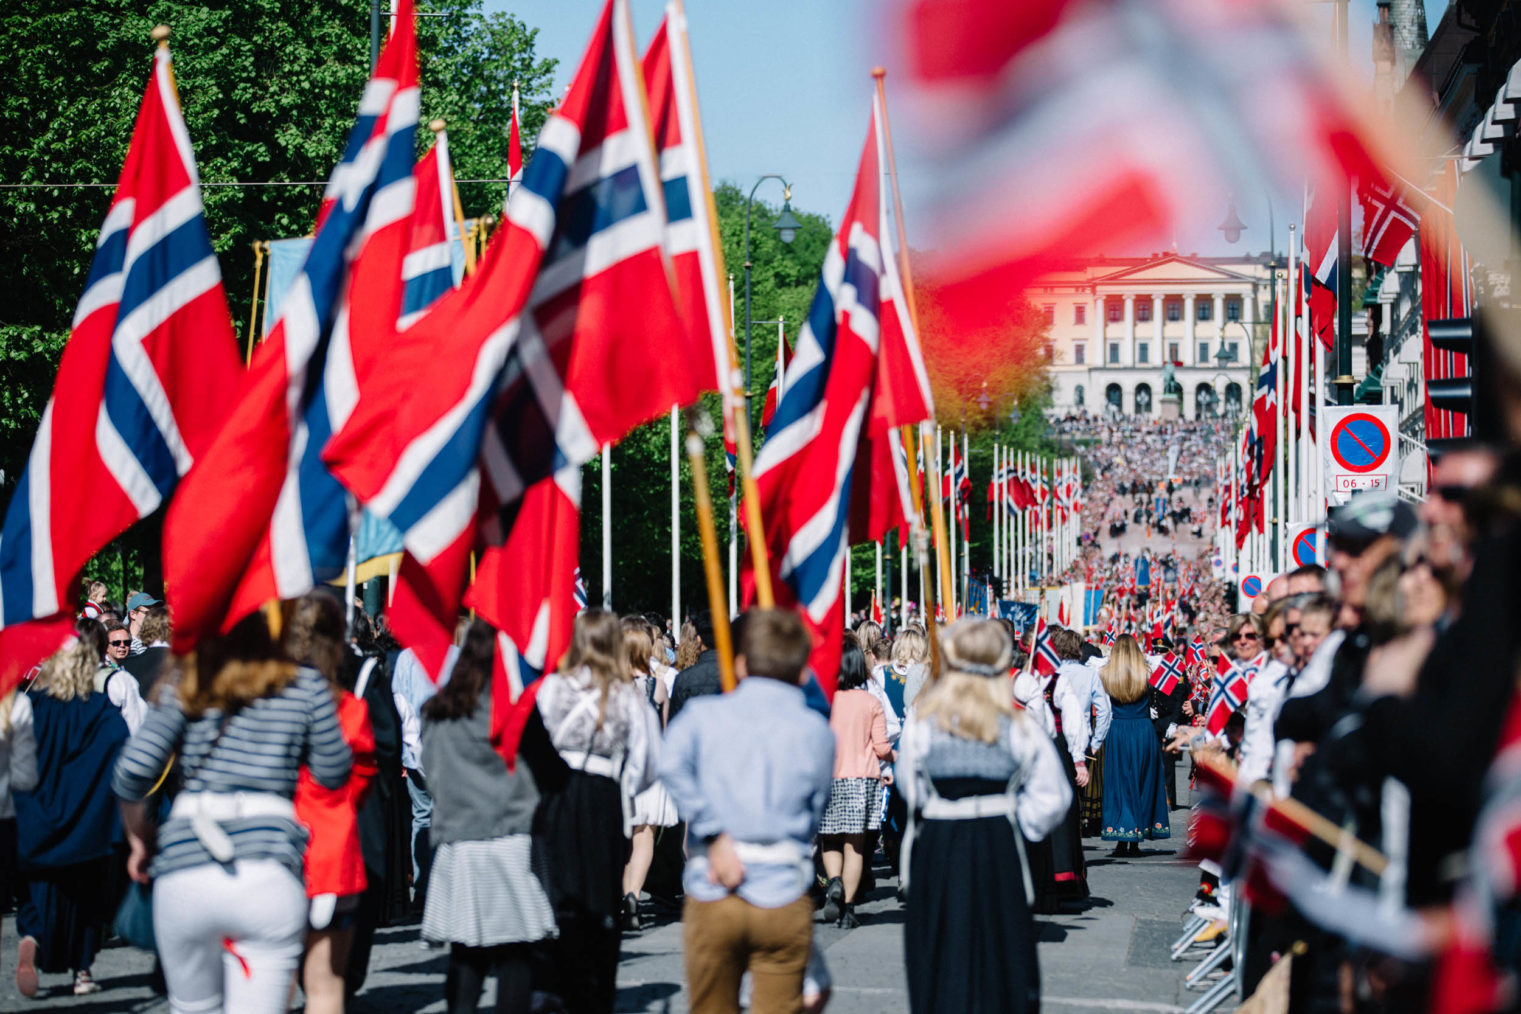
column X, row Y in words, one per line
column 1360, row 442
column 1305, row 547
column 1251, row 586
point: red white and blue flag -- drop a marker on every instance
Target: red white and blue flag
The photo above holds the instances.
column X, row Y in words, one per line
column 1168, row 674
column 856, row 374
column 145, row 381
column 292, row 522
column 525, row 375
column 427, row 270
column 1228, row 693
column 1043, row 653
column 778, row 380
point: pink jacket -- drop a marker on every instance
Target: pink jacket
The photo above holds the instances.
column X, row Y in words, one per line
column 860, row 734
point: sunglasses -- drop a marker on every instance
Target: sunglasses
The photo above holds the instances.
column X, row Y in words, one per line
column 1245, row 635
column 1453, row 494
column 120, row 644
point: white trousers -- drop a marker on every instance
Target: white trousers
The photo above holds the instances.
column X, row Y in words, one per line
column 229, row 941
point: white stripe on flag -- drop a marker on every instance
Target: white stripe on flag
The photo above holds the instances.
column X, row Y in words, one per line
column 124, row 466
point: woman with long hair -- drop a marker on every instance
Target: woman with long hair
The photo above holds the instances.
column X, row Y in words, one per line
column 653, row 807
column 229, row 908
column 688, row 647
column 859, row 724
column 1135, row 795
column 18, row 773
column 312, row 630
column 607, row 733
column 979, row 777
column 487, row 898
column 67, row 830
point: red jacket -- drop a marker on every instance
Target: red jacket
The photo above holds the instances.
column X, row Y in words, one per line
column 334, row 861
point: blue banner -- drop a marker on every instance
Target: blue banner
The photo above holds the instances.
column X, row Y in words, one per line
column 1021, row 614
column 1093, row 601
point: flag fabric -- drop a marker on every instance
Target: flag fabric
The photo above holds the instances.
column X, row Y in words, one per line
column 144, row 382
column 1320, row 237
column 856, row 375
column 1043, row 654
column 1194, row 655
column 293, row 520
column 778, row 380
column 514, row 146
column 1265, row 411
column 427, row 270
column 1391, row 213
column 1168, row 674
column 1173, row 108
column 1227, row 695
column 521, row 375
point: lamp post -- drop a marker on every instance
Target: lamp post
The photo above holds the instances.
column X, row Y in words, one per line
column 786, row 227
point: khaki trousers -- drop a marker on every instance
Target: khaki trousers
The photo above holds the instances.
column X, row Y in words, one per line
column 724, row 938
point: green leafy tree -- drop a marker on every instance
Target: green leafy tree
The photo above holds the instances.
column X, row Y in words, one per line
column 269, row 89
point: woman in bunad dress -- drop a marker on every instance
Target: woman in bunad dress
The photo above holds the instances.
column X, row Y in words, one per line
column 981, row 777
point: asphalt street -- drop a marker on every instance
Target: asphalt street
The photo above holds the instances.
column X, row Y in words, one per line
column 1110, row 954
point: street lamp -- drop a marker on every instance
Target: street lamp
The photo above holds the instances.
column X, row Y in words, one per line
column 786, row 226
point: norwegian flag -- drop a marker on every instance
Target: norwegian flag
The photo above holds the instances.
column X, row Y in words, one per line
column 427, row 271
column 1265, row 411
column 856, row 375
column 292, row 523
column 1168, row 674
column 580, row 590
column 1174, row 100
column 520, row 376
column 144, row 382
column 778, row 380
column 514, row 146
column 1042, row 653
column 1108, row 635
column 1320, row 238
column 1194, row 654
column 691, row 216
column 1391, row 213
column 1227, row 695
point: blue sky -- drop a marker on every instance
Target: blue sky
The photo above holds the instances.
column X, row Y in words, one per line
column 785, row 87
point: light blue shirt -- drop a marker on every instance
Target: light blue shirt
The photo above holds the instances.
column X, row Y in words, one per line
column 755, row 764
column 410, row 682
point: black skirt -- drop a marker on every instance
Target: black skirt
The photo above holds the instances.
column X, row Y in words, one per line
column 967, row 933
column 1057, row 867
column 581, row 827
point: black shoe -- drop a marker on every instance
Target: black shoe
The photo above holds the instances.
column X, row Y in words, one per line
column 1120, row 851
column 631, row 920
column 834, row 900
column 848, row 919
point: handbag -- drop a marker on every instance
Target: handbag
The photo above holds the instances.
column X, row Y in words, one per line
column 134, row 919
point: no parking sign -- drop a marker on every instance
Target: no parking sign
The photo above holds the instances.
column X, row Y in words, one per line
column 1304, row 545
column 1361, row 451
column 1251, row 586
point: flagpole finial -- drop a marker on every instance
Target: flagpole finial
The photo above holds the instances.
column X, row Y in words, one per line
column 160, row 34
column 879, row 72
column 436, row 125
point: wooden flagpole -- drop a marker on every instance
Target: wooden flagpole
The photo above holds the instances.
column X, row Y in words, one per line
column 905, row 269
column 734, row 401
column 938, row 522
column 259, row 249
column 722, row 641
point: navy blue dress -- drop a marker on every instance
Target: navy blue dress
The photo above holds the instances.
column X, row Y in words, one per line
column 1135, row 796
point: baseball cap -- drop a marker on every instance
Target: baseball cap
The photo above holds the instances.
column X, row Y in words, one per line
column 141, row 599
column 1369, row 516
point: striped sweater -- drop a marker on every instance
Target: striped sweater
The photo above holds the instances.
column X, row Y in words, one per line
column 260, row 750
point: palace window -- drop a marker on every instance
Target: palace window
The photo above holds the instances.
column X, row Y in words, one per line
column 1143, row 352
column 1114, row 353
column 1079, row 352
column 1203, row 353
column 1172, row 353
column 1233, row 309
column 1143, row 311
column 1174, row 309
column 1115, row 313
column 1204, row 310
column 1048, row 311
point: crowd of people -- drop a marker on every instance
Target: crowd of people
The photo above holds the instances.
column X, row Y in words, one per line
column 253, row 812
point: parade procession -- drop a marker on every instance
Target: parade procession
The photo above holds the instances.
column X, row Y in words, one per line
column 464, row 549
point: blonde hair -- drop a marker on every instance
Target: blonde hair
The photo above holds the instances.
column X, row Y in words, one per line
column 69, row 673
column 973, row 697
column 228, row 672
column 597, row 645
column 910, row 648
column 689, row 647
column 637, row 646
column 1125, row 675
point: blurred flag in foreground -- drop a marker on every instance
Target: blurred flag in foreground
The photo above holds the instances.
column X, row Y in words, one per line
column 1056, row 129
